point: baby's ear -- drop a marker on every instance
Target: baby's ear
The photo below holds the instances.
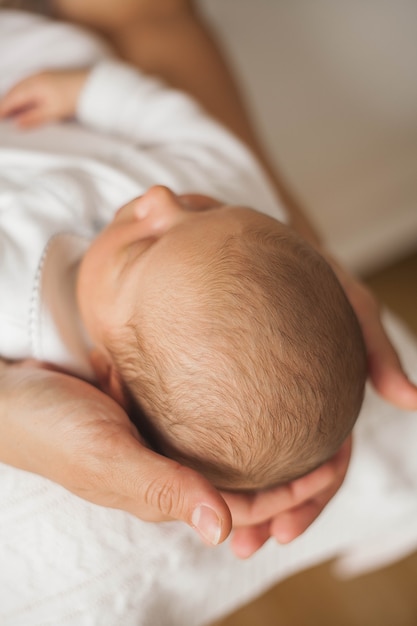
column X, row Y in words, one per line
column 108, row 377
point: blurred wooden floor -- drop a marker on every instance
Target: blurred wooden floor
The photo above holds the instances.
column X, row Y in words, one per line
column 315, row 597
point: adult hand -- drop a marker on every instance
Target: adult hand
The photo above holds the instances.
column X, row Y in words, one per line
column 65, row 429
column 287, row 511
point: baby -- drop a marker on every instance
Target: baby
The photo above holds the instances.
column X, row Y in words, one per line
column 225, row 336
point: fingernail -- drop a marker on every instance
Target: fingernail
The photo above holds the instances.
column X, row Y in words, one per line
column 206, row 521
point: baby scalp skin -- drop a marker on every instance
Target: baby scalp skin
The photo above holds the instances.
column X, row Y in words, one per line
column 225, row 335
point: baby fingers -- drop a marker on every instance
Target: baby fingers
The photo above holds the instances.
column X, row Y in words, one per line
column 31, row 102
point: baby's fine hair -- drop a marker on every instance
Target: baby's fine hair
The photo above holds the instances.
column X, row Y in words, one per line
column 250, row 366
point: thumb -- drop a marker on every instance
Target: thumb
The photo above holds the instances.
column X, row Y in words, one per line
column 155, row 488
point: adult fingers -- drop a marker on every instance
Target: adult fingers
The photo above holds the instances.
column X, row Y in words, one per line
column 385, row 369
column 291, row 524
column 284, row 528
column 254, row 509
column 155, row 488
column 325, row 479
column 248, row 540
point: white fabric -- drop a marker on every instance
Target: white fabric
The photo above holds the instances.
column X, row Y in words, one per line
column 67, row 562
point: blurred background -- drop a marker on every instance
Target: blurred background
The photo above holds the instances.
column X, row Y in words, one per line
column 332, row 87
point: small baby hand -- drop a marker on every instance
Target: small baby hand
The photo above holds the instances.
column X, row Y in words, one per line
column 45, row 97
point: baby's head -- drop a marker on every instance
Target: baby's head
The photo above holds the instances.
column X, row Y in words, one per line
column 227, row 334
